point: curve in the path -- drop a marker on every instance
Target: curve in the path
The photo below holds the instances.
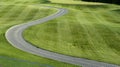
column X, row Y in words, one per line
column 14, row 37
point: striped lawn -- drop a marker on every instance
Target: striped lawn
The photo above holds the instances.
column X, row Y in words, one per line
column 88, row 31
column 11, row 15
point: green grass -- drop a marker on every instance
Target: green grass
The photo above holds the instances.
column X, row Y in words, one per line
column 13, row 62
column 14, row 14
column 24, row 1
column 87, row 31
column 74, row 2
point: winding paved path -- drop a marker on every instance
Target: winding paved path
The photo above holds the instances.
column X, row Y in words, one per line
column 14, row 36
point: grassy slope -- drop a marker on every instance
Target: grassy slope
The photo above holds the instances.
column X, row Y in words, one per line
column 11, row 15
column 88, row 31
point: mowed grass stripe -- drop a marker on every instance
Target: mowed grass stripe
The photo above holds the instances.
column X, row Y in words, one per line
column 68, row 33
column 82, row 41
column 108, row 25
column 38, row 12
column 5, row 9
column 9, row 13
column 90, row 37
column 17, row 12
column 61, row 40
column 103, row 44
column 114, row 15
column 76, row 28
column 66, row 27
column 2, row 7
column 109, row 52
column 22, row 16
column 110, row 40
column 114, row 35
column 12, row 14
column 31, row 15
column 11, row 1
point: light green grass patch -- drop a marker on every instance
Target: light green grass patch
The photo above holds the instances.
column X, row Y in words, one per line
column 74, row 2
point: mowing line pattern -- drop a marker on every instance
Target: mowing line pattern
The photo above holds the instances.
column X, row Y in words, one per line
column 12, row 14
column 90, row 33
column 14, row 36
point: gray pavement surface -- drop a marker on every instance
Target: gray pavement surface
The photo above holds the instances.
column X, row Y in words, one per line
column 15, row 38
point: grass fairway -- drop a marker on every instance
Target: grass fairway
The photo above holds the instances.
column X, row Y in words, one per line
column 88, row 31
column 14, row 14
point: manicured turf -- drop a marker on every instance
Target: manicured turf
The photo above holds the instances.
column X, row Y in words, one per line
column 88, row 31
column 11, row 15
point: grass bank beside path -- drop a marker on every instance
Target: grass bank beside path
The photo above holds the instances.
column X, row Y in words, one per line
column 87, row 31
column 14, row 14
